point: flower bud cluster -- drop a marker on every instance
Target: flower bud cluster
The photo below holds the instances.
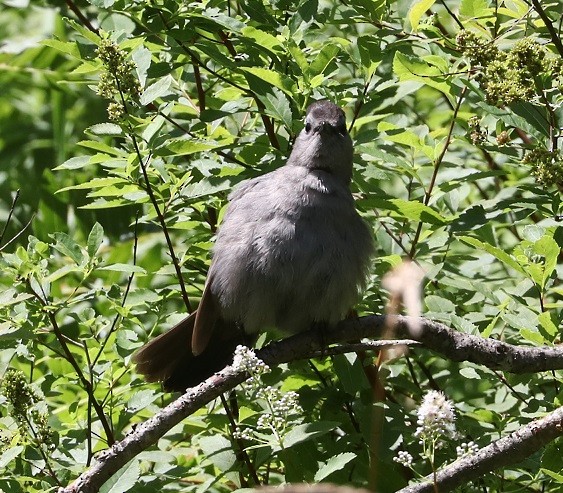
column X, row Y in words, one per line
column 24, row 404
column 547, row 166
column 466, row 449
column 403, row 458
column 509, row 76
column 118, row 79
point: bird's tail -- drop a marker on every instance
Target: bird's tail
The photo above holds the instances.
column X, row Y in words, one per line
column 169, row 359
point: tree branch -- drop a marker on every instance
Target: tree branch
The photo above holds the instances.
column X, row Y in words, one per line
column 432, row 335
column 508, row 450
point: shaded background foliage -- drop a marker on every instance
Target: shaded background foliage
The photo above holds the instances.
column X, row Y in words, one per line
column 455, row 111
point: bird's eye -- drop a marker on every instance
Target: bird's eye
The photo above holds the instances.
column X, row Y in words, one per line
column 307, row 127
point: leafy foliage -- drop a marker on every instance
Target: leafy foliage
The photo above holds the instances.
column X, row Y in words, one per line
column 125, row 125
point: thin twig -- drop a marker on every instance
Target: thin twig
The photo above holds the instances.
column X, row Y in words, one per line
column 556, row 40
column 12, row 208
column 437, row 164
column 81, row 17
column 124, row 299
column 88, row 387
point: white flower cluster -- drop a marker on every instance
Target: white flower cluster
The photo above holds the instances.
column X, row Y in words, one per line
column 243, row 434
column 280, row 406
column 466, row 449
column 245, row 359
column 403, row 458
column 436, row 418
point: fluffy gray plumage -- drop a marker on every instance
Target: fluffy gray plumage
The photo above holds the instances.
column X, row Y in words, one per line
column 291, row 252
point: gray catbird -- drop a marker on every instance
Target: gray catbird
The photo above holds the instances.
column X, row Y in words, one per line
column 291, row 253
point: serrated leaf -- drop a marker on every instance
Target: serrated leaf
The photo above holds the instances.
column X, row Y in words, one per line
column 533, row 336
column 95, row 239
column 9, row 455
column 323, row 59
column 263, row 39
column 67, row 246
column 335, row 463
column 74, row 163
column 412, row 210
column 501, row 255
column 277, row 106
column 417, row 10
column 549, row 249
column 67, row 47
column 100, row 146
column 140, row 400
column 547, row 324
column 438, row 304
column 142, row 58
column 96, row 183
column 399, row 134
column 475, row 9
column 85, row 32
column 408, row 67
column 275, row 79
column 160, row 88
column 182, row 147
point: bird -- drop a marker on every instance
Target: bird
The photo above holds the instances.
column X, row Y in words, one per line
column 291, row 253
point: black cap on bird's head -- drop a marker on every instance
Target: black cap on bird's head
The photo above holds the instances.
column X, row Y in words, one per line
column 324, row 115
column 324, row 143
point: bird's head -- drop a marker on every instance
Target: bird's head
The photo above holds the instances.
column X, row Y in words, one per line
column 324, row 143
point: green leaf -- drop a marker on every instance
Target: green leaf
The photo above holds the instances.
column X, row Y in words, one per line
column 127, row 268
column 307, row 431
column 219, row 451
column 533, row 336
column 439, row 304
column 277, row 106
column 160, row 88
column 263, row 39
column 100, row 146
column 323, row 59
column 183, row 147
column 95, row 239
column 335, row 463
column 411, row 68
column 549, row 249
column 394, row 133
column 546, row 322
column 143, row 59
column 67, row 246
column 105, row 129
column 417, row 10
column 501, row 255
column 9, row 455
column 66, row 47
column 123, row 480
column 275, row 79
column 75, row 163
column 475, row 9
column 89, row 35
column 412, row 210
column 470, row 373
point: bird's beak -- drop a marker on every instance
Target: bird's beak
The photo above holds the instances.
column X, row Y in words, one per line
column 323, row 127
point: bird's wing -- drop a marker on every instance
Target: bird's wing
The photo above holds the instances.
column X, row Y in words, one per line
column 206, row 317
